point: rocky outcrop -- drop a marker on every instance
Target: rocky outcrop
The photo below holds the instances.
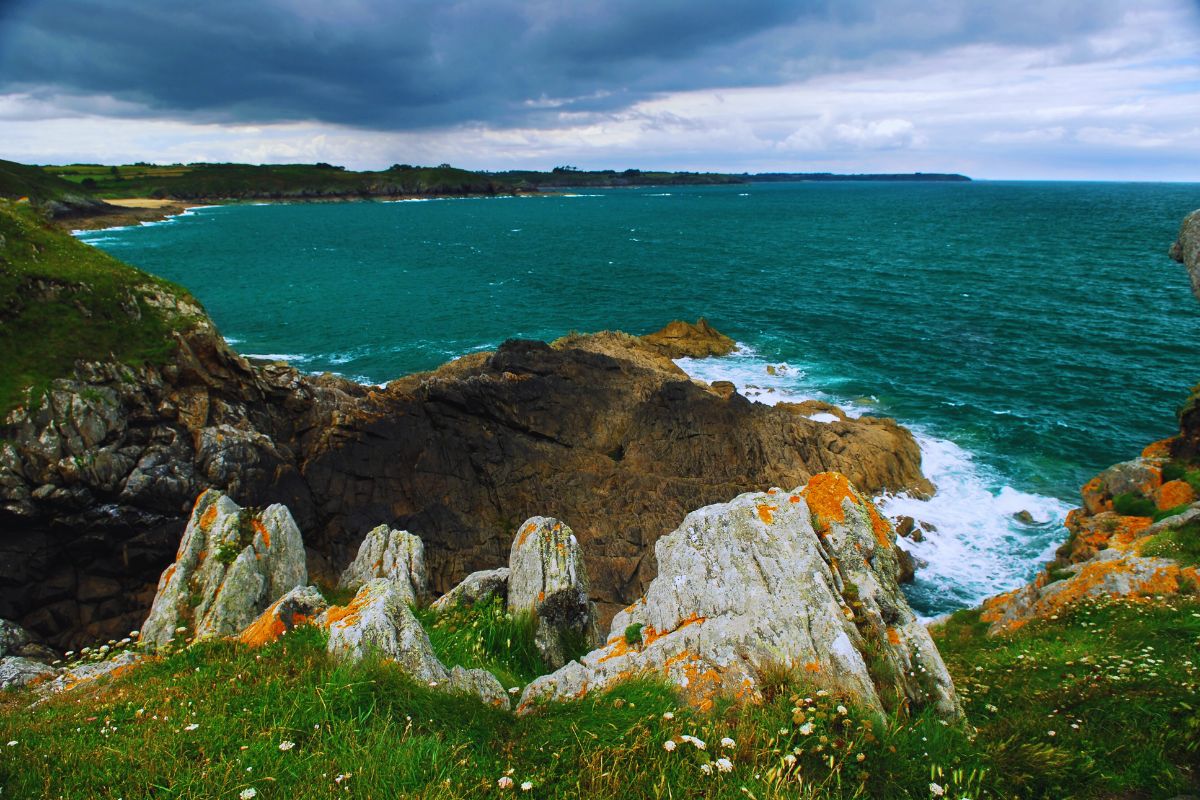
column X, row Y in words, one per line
column 379, row 624
column 18, row 671
column 683, row 339
column 804, row 580
column 301, row 606
column 395, row 556
column 547, row 579
column 232, row 563
column 1186, row 249
column 97, row 480
column 478, row 587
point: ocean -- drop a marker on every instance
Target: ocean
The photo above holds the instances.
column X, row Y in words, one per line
column 1029, row 333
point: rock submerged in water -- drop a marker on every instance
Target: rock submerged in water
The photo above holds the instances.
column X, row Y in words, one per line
column 803, row 579
column 547, row 578
column 231, row 564
column 397, row 556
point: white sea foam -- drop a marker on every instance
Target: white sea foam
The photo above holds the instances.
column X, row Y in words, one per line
column 979, row 549
column 296, row 358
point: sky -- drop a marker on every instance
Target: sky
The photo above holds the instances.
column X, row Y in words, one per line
column 1000, row 89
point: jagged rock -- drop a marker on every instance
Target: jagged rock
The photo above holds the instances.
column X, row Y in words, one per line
column 682, row 339
column 68, row 679
column 805, row 579
column 547, row 578
column 231, row 564
column 1024, row 517
column 477, row 587
column 378, row 622
column 1186, row 249
column 394, row 555
column 907, row 566
column 17, row 671
column 300, row 606
column 480, row 683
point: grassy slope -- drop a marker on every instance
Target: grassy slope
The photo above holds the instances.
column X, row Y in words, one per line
column 83, row 310
column 1115, row 682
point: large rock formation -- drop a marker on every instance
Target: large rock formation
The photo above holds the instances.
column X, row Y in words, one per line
column 547, row 578
column 1186, row 249
column 232, row 563
column 97, row 480
column 478, row 587
column 804, row 580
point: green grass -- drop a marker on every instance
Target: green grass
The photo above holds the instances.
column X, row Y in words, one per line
column 1181, row 544
column 1130, row 504
column 1115, row 682
column 486, row 636
column 61, row 300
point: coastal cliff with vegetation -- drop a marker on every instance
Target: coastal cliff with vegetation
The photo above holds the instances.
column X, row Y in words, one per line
column 647, row 585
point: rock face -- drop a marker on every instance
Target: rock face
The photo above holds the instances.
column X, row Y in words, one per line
column 232, row 563
column 682, row 339
column 396, row 556
column 478, row 587
column 96, row 483
column 379, row 623
column 803, row 579
column 547, row 578
column 301, row 606
column 17, row 671
column 1186, row 249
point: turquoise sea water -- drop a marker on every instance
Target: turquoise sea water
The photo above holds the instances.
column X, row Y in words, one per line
column 1030, row 333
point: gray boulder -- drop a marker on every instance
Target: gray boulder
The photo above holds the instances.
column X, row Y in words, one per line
column 378, row 623
column 478, row 587
column 231, row 564
column 397, row 556
column 302, row 605
column 17, row 671
column 547, row 578
column 804, row 580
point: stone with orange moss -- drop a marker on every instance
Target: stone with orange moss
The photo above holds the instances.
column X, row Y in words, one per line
column 397, row 556
column 548, row 579
column 231, row 564
column 1174, row 493
column 300, row 606
column 18, row 671
column 740, row 591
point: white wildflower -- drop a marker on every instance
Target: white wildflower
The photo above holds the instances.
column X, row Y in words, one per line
column 248, row 794
column 842, row 710
column 706, row 768
column 697, row 743
column 936, row 790
column 724, row 765
column 806, row 729
column 727, row 743
column 526, row 786
column 286, row 745
column 790, row 760
column 668, row 715
column 12, row 743
column 191, row 727
column 669, row 745
column 505, row 782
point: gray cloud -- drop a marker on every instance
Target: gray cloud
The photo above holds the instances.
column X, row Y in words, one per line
column 417, row 64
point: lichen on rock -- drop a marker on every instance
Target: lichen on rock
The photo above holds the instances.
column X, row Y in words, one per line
column 231, row 564
column 397, row 556
column 477, row 587
column 767, row 580
column 547, row 578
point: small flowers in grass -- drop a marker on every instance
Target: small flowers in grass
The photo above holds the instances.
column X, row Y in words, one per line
column 668, row 715
column 727, row 743
column 505, row 782
column 936, row 790
column 669, row 745
column 806, row 728
column 706, row 768
column 286, row 745
column 526, row 786
column 191, row 727
column 692, row 740
column 12, row 743
column 724, row 765
column 248, row 794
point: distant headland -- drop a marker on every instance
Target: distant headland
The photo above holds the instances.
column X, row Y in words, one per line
column 100, row 195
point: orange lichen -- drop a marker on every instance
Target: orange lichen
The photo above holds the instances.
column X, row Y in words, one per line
column 541, row 596
column 812, row 666
column 1159, row 449
column 893, row 636
column 262, row 531
column 795, row 498
column 269, row 627
column 208, row 517
column 347, row 613
column 825, row 493
column 765, row 511
column 879, row 526
column 1174, row 493
column 528, row 529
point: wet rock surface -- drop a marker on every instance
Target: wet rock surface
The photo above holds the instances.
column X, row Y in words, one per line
column 804, row 580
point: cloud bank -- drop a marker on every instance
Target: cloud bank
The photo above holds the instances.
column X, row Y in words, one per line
column 1000, row 89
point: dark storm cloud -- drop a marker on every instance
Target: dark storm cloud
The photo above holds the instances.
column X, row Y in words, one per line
column 423, row 63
